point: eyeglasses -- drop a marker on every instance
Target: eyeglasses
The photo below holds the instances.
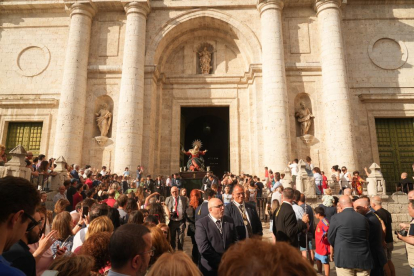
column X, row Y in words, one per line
column 151, row 252
column 32, row 224
column 218, row 206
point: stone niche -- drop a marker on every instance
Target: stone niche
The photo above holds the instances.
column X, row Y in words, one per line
column 100, row 101
column 305, row 99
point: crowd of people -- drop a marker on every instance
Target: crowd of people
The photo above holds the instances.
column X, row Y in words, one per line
column 107, row 224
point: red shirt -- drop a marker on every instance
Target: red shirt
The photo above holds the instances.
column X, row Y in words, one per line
column 89, row 183
column 321, row 238
column 110, row 202
column 324, row 182
column 76, row 199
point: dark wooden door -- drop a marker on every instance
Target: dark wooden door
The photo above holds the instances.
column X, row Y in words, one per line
column 396, row 148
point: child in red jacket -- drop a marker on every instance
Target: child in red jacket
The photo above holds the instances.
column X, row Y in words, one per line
column 323, row 252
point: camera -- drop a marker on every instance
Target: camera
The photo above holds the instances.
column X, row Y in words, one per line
column 174, row 215
column 401, row 232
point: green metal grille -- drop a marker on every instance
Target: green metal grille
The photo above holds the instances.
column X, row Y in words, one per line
column 29, row 135
column 396, row 148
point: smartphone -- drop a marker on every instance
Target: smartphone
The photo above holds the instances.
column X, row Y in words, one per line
column 85, row 211
column 50, row 273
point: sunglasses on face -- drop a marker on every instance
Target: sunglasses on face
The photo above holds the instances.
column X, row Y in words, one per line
column 33, row 222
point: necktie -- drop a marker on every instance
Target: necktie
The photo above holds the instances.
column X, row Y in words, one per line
column 246, row 221
column 176, row 205
column 218, row 223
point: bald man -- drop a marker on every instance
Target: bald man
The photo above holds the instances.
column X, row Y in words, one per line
column 375, row 236
column 348, row 234
column 411, row 195
column 214, row 234
column 177, row 205
column 376, row 204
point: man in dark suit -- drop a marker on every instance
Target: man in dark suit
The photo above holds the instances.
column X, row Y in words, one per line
column 375, row 235
column 176, row 181
column 149, row 184
column 244, row 214
column 285, row 225
column 206, row 182
column 348, row 234
column 202, row 209
column 176, row 205
column 214, row 234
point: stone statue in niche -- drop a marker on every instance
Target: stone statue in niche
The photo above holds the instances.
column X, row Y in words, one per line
column 104, row 119
column 304, row 117
column 205, row 61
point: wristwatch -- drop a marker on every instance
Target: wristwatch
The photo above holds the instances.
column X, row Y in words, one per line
column 80, row 225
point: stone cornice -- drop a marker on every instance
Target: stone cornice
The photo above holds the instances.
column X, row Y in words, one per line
column 264, row 5
column 28, row 103
column 387, row 98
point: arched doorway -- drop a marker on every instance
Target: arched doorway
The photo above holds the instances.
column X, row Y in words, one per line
column 211, row 126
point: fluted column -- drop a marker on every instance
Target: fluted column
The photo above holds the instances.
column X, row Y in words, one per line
column 335, row 97
column 71, row 114
column 128, row 148
column 276, row 138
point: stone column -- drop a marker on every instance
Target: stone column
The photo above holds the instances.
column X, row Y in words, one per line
column 128, row 147
column 72, row 103
column 335, row 99
column 276, row 136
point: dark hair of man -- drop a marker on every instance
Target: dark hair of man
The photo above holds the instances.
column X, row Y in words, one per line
column 214, row 187
column 364, row 196
column 302, row 198
column 149, row 176
column 66, row 183
column 152, row 219
column 17, row 194
column 320, row 211
column 88, row 202
column 122, row 200
column 208, row 193
column 78, row 206
column 336, row 200
column 98, row 210
column 103, row 167
column 251, row 184
column 296, row 196
column 79, row 186
column 136, row 217
column 113, row 215
column 41, row 156
column 126, row 243
column 296, row 160
column 35, row 160
column 28, row 163
column 288, row 193
column 90, row 192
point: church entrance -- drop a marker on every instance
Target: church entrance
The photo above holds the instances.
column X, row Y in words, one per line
column 211, row 126
column 396, row 148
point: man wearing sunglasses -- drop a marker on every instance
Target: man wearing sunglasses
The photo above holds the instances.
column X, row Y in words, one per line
column 19, row 199
column 19, row 254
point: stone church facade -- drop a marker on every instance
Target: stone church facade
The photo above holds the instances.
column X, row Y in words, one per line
column 347, row 61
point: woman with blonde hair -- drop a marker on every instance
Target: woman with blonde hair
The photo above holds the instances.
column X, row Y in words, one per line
column 64, row 237
column 99, row 225
column 159, row 242
column 165, row 230
column 61, row 205
column 174, row 264
column 76, row 265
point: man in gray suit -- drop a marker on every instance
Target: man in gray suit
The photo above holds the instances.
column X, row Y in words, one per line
column 176, row 205
column 349, row 235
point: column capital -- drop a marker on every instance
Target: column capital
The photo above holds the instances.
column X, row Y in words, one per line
column 263, row 5
column 140, row 6
column 84, row 8
column 321, row 5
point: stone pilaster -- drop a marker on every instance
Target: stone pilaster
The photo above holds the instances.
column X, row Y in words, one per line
column 335, row 98
column 276, row 137
column 72, row 103
column 129, row 132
